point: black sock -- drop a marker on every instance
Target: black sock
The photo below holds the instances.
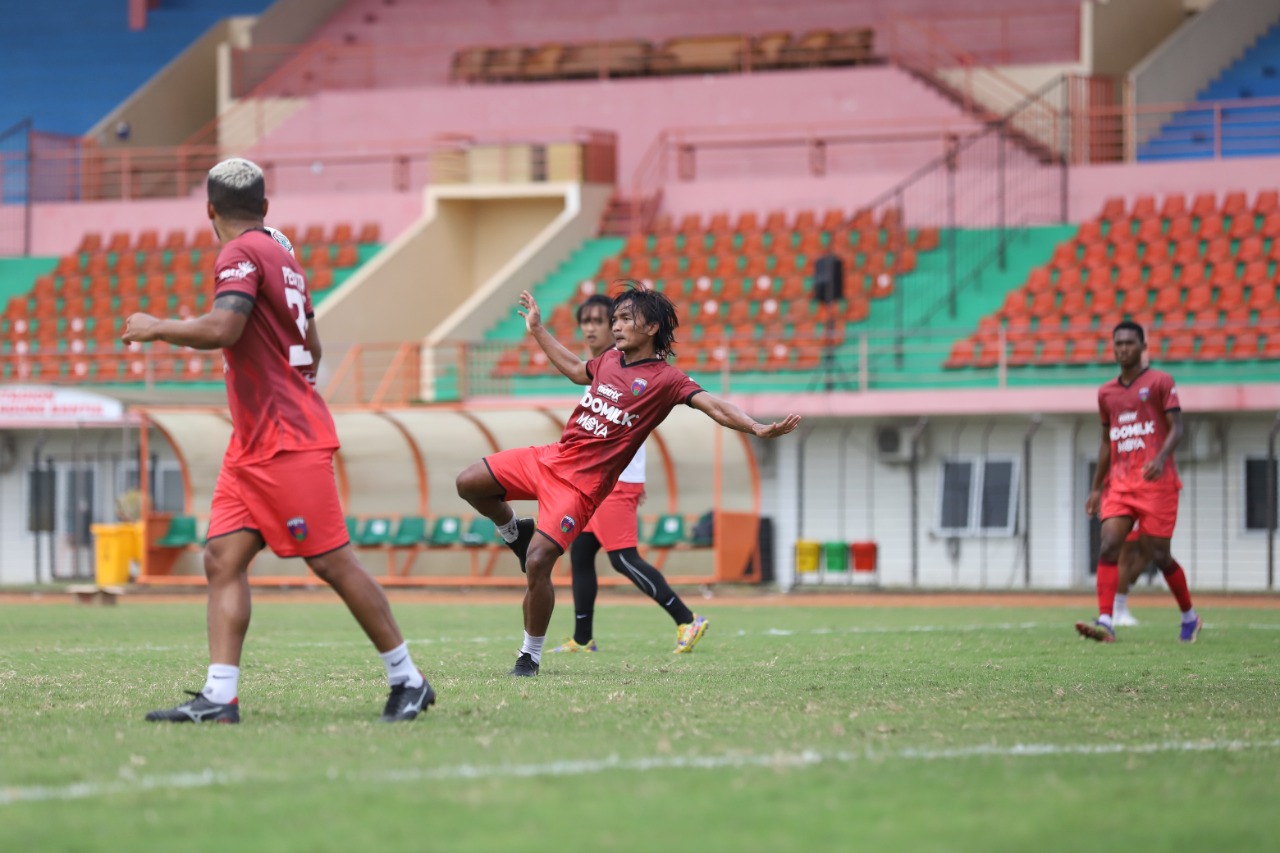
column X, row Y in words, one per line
column 651, row 582
column 582, row 560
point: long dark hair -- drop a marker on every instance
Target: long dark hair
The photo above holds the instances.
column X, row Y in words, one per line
column 653, row 307
column 597, row 299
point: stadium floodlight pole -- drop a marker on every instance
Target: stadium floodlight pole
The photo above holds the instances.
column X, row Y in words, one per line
column 1271, row 502
column 1032, row 429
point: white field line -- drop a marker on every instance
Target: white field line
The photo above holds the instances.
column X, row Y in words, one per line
column 13, row 795
column 741, row 632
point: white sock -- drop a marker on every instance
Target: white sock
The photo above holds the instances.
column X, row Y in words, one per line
column 1189, row 616
column 533, row 647
column 222, row 683
column 508, row 531
column 1104, row 619
column 400, row 668
column 1122, row 603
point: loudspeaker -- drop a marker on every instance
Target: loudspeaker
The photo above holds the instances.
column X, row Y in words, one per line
column 828, row 279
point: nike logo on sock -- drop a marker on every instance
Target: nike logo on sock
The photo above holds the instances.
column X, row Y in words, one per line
column 398, row 662
column 219, row 677
column 582, row 615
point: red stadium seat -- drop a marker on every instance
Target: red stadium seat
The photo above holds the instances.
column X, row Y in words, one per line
column 1244, row 345
column 1113, row 209
column 1175, row 205
column 1144, row 207
column 1234, row 203
column 1213, row 345
column 1211, row 227
column 1204, row 204
column 1267, row 203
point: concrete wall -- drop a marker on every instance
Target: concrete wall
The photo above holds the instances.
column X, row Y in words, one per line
column 467, row 236
column 1090, row 186
column 175, row 103
column 849, row 495
column 1186, row 61
column 1119, row 33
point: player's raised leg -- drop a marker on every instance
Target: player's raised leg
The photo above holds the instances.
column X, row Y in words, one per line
column 478, row 486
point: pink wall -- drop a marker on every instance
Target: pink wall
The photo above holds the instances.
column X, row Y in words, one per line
column 1091, row 186
column 57, row 228
column 437, row 28
column 635, row 109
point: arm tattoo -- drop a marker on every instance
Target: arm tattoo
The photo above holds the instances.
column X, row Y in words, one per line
column 237, row 303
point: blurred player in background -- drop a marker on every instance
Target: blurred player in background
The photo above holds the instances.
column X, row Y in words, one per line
column 615, row 527
column 632, row 389
column 1141, row 426
column 276, row 486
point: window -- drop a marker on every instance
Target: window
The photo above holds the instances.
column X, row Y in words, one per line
column 167, row 490
column 1255, row 493
column 978, row 496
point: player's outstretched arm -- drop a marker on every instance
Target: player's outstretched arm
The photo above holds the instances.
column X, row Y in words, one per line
column 557, row 353
column 221, row 327
column 729, row 415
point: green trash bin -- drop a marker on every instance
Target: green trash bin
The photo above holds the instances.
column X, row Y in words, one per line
column 835, row 556
column 113, row 546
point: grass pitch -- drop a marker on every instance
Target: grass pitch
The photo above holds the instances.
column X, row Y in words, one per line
column 823, row 728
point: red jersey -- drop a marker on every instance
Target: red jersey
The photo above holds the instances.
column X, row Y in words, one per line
column 1135, row 414
column 623, row 403
column 269, row 371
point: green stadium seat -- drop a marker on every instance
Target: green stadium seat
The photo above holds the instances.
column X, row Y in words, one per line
column 181, row 533
column 410, row 531
column 376, row 531
column 352, row 527
column 480, row 533
column 447, row 531
column 668, row 532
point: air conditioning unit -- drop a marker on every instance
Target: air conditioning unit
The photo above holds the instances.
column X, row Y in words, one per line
column 893, row 443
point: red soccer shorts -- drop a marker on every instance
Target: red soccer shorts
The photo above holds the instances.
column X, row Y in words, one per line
column 614, row 522
column 291, row 500
column 563, row 511
column 1155, row 510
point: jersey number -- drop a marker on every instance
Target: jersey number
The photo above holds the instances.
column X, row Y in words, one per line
column 299, row 355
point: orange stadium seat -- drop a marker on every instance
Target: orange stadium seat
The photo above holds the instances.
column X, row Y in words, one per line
column 1234, row 203
column 1245, row 345
column 1156, row 252
column 1113, row 209
column 1144, row 207
column 1267, row 203
column 370, row 232
column 1213, row 345
column 148, row 241
column 90, row 242
column 1180, row 346
column 1174, row 205
column 1204, row 204
column 343, row 232
column 1211, row 227
column 1179, row 229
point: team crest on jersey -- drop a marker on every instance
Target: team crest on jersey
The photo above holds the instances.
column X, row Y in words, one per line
column 638, row 386
column 297, row 528
column 567, row 524
column 1143, row 394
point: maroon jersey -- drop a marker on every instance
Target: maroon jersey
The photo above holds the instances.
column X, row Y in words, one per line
column 269, row 371
column 623, row 403
column 1135, row 414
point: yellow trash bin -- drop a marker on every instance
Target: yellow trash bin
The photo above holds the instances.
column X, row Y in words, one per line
column 113, row 546
column 807, row 555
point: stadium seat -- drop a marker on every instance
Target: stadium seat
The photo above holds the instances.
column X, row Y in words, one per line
column 1205, row 203
column 374, row 532
column 410, row 532
column 1144, row 207
column 1234, row 203
column 446, row 532
column 668, row 532
column 181, row 533
column 1244, row 345
column 1267, row 203
column 1174, row 205
column 480, row 533
column 1213, row 345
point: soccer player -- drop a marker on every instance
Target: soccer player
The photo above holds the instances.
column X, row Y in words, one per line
column 632, row 389
column 1141, row 426
column 614, row 526
column 1134, row 559
column 276, row 486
